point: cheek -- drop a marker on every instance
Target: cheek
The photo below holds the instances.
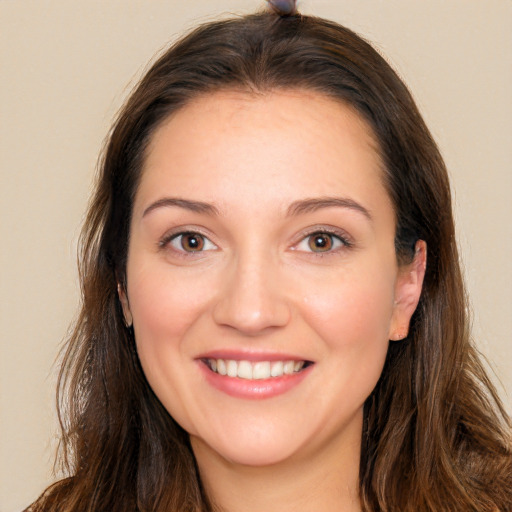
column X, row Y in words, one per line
column 165, row 311
column 352, row 311
column 351, row 317
column 164, row 306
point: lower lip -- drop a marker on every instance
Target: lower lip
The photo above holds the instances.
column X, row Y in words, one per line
column 253, row 389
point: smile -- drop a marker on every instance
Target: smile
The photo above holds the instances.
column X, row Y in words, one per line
column 255, row 370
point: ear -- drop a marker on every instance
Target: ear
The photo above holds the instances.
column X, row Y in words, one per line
column 123, row 298
column 407, row 292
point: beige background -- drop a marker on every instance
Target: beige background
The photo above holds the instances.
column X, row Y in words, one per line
column 66, row 67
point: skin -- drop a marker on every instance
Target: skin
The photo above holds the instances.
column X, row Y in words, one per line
column 261, row 286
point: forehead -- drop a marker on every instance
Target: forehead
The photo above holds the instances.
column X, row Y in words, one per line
column 277, row 145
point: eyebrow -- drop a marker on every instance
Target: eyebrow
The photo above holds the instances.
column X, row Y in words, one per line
column 194, row 206
column 314, row 204
column 296, row 208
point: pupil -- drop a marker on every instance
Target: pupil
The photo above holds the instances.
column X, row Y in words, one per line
column 321, row 242
column 192, row 242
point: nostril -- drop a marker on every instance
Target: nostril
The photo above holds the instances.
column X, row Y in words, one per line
column 249, row 299
column 251, row 319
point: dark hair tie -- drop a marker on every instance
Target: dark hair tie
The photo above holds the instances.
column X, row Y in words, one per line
column 284, row 7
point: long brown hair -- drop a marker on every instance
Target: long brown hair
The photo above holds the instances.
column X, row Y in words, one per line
column 435, row 434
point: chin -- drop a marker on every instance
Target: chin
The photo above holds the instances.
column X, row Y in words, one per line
column 249, row 452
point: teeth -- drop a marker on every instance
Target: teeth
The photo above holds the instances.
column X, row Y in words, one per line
column 232, row 367
column 288, row 367
column 244, row 370
column 276, row 369
column 261, row 370
column 221, row 367
column 254, row 370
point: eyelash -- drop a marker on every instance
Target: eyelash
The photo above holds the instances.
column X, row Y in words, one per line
column 170, row 238
column 332, row 234
column 335, row 234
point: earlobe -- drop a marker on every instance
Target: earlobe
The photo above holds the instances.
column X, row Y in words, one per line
column 407, row 292
column 123, row 298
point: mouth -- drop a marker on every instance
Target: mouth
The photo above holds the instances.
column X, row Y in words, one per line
column 255, row 370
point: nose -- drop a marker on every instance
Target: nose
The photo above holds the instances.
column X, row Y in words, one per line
column 252, row 299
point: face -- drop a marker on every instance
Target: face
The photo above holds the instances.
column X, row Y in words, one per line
column 262, row 279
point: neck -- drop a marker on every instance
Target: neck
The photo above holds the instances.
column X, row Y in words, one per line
column 327, row 481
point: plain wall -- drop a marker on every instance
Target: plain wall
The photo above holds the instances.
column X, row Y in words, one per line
column 66, row 67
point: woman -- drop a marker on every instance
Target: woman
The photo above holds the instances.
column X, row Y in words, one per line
column 273, row 312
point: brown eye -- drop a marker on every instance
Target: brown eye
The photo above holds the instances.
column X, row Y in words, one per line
column 320, row 242
column 191, row 242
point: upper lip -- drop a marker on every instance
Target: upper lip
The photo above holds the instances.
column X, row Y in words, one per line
column 253, row 356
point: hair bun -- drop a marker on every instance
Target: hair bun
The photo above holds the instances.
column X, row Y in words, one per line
column 284, row 7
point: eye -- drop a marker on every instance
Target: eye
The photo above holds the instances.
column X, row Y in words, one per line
column 191, row 242
column 321, row 241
